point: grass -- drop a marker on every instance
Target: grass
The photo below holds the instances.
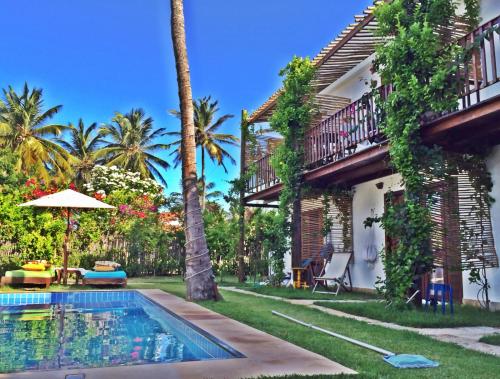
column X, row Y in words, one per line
column 293, row 293
column 464, row 315
column 492, row 339
column 455, row 361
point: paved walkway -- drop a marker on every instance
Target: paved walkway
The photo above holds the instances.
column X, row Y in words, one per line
column 467, row 337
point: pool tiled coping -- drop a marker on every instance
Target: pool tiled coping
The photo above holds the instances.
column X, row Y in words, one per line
column 264, row 354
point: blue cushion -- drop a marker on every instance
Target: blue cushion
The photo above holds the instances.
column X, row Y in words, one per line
column 105, row 275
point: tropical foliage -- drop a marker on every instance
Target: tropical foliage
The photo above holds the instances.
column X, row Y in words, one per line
column 82, row 146
column 24, row 128
column 130, row 144
column 118, row 163
column 293, row 114
column 208, row 139
column 418, row 62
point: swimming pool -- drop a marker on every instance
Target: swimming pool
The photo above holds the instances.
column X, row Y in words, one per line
column 45, row 331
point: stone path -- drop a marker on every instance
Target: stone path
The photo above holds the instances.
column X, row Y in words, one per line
column 467, row 337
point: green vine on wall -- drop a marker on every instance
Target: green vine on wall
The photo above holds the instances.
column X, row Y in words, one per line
column 415, row 59
column 293, row 114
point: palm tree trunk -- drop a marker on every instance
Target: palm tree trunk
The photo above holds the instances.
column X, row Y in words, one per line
column 200, row 283
column 203, row 182
column 241, row 205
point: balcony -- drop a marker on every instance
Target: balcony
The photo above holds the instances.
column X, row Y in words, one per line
column 349, row 145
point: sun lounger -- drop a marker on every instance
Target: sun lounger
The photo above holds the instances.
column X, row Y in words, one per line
column 118, row 278
column 29, row 277
column 336, row 271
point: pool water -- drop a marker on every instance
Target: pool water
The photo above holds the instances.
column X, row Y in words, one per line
column 44, row 331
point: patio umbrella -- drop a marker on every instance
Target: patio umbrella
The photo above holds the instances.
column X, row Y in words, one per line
column 68, row 199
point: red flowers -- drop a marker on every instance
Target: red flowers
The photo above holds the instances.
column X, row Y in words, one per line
column 99, row 196
column 38, row 189
column 128, row 210
column 30, row 182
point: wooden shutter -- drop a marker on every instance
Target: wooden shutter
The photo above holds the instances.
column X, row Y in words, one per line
column 476, row 233
column 312, row 225
column 340, row 235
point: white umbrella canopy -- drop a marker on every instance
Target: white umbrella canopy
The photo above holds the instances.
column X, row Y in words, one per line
column 68, row 199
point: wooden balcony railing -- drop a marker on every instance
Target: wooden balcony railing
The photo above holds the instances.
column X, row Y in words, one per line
column 264, row 175
column 482, row 70
column 357, row 126
column 339, row 135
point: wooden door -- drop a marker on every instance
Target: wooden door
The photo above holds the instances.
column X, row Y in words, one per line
column 445, row 238
column 392, row 198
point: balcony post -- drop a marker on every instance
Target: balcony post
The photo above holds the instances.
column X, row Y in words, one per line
column 241, row 208
column 296, row 226
column 296, row 218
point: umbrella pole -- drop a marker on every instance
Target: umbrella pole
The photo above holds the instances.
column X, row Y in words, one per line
column 66, row 242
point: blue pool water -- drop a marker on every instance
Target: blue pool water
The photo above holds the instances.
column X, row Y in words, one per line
column 44, row 331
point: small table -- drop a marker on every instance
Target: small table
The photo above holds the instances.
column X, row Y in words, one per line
column 298, row 281
column 71, row 270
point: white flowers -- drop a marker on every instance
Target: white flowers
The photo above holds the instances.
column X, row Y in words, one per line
column 108, row 179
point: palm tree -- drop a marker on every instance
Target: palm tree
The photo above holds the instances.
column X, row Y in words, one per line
column 130, row 144
column 24, row 130
column 211, row 193
column 83, row 145
column 207, row 138
column 200, row 284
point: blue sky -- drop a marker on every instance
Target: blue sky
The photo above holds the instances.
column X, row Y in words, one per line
column 96, row 57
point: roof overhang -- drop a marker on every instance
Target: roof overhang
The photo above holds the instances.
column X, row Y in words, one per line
column 352, row 46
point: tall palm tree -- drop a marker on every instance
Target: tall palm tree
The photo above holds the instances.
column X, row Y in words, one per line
column 82, row 145
column 200, row 284
column 207, row 138
column 130, row 144
column 24, row 128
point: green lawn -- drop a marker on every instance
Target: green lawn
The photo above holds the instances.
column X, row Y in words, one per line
column 456, row 362
column 464, row 315
column 492, row 339
column 292, row 293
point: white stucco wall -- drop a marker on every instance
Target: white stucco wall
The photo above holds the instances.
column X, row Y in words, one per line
column 368, row 201
column 354, row 83
column 493, row 274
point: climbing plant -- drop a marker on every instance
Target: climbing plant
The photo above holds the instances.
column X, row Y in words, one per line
column 294, row 113
column 338, row 196
column 417, row 61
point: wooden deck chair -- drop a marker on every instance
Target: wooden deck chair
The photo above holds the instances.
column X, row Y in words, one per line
column 337, row 271
column 310, row 265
